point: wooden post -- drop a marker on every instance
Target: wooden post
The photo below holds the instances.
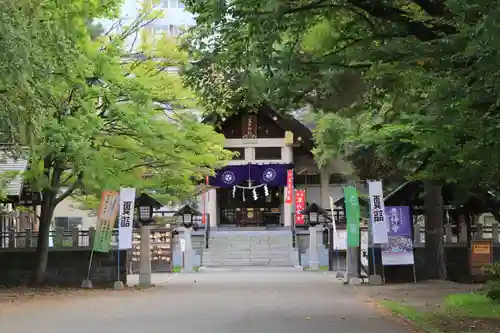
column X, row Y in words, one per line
column 12, row 238
column 29, row 238
column 417, row 236
column 91, row 236
column 448, row 232
column 59, row 239
column 75, row 236
column 479, row 231
column 462, row 234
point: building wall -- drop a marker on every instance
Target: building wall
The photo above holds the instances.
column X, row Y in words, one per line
column 69, row 208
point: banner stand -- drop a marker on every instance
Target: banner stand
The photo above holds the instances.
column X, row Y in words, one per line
column 87, row 283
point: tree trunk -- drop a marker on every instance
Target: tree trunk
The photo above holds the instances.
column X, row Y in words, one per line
column 42, row 248
column 434, row 231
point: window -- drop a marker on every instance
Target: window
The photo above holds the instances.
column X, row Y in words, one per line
column 172, row 4
column 170, row 30
column 268, row 153
column 68, row 223
column 240, row 151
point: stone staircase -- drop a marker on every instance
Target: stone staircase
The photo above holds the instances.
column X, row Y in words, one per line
column 271, row 248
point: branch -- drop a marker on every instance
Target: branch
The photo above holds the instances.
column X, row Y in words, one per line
column 318, row 4
column 71, row 189
column 29, row 210
column 434, row 8
column 414, row 28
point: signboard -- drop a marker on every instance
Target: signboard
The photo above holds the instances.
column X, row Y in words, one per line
column 288, row 138
column 183, row 245
column 249, row 126
column 126, row 221
column 106, row 217
column 289, row 186
column 481, row 257
column 300, row 205
column 399, row 248
column 352, row 215
column 377, row 213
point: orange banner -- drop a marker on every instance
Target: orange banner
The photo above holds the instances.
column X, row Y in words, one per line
column 289, row 187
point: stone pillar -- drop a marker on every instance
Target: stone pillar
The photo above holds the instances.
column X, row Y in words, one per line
column 324, row 189
column 212, row 207
column 145, row 257
column 188, row 251
column 313, row 248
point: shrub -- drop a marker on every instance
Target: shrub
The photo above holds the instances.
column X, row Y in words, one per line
column 492, row 287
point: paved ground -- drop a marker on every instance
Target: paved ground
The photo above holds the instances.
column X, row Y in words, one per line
column 245, row 301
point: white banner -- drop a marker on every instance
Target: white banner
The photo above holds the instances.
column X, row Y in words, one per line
column 126, row 218
column 332, row 209
column 377, row 213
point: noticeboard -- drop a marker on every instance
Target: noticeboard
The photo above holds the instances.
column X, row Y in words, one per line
column 481, row 256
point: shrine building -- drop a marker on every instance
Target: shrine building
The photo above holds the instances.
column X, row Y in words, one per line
column 251, row 190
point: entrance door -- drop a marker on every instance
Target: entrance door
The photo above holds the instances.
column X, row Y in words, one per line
column 251, row 216
column 249, row 212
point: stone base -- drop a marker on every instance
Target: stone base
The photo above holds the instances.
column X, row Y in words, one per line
column 145, row 279
column 118, row 285
column 355, row 280
column 87, row 284
column 375, row 280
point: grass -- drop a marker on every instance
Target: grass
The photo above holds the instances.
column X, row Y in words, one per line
column 457, row 314
column 419, row 318
column 178, row 269
column 472, row 305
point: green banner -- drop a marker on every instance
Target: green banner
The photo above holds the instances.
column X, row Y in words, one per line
column 352, row 215
column 106, row 217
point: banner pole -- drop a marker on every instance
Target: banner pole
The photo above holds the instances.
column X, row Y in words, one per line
column 118, row 264
column 90, row 264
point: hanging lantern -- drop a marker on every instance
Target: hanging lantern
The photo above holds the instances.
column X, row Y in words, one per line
column 254, row 192
column 266, row 191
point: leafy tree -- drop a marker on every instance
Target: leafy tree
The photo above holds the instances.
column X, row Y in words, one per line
column 401, row 87
column 107, row 117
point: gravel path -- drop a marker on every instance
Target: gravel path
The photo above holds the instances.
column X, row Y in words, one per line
column 243, row 301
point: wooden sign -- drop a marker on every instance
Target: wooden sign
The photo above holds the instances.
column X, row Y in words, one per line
column 288, row 138
column 249, row 126
column 481, row 256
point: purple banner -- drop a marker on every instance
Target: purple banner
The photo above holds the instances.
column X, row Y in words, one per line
column 270, row 174
column 229, row 176
column 399, row 249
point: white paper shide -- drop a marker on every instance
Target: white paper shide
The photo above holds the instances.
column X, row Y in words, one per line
column 377, row 212
column 126, row 218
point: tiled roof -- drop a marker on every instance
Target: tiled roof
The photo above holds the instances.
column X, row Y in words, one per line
column 9, row 163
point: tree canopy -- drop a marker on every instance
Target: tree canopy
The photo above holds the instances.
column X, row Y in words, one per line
column 404, row 89
column 100, row 111
column 410, row 82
